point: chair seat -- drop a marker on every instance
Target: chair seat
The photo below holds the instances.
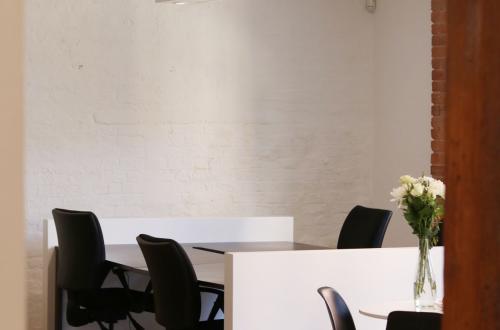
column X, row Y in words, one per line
column 211, row 325
column 106, row 305
column 403, row 320
column 104, row 298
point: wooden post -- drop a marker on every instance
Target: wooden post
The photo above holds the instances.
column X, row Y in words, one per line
column 472, row 234
column 12, row 237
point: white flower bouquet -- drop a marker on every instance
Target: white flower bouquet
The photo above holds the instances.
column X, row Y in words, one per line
column 421, row 200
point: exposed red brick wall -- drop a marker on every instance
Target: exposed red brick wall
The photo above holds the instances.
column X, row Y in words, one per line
column 439, row 43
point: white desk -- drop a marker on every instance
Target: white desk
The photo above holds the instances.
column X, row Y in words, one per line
column 280, row 284
column 382, row 310
column 210, row 267
column 254, row 281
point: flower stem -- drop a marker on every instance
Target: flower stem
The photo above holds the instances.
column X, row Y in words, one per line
column 423, row 246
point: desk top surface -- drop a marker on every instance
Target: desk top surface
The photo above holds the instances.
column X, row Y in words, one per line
column 131, row 255
column 201, row 253
column 207, row 258
column 209, row 267
column 224, row 247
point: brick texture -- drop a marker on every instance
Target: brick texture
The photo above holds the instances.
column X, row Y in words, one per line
column 438, row 109
column 141, row 109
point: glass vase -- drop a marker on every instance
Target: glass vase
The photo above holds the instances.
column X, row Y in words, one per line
column 424, row 289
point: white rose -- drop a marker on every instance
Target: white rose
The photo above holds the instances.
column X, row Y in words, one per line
column 436, row 188
column 428, row 178
column 417, row 190
column 406, row 179
column 398, row 193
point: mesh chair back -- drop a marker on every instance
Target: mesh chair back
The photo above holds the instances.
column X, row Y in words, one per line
column 81, row 254
column 399, row 320
column 364, row 228
column 339, row 313
column 175, row 286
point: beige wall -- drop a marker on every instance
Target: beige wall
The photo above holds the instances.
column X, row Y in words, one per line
column 402, row 103
column 230, row 107
column 225, row 108
column 12, row 257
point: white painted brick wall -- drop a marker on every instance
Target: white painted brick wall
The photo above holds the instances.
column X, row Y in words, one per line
column 234, row 107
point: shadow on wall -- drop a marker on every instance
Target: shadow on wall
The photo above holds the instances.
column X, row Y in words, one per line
column 224, row 108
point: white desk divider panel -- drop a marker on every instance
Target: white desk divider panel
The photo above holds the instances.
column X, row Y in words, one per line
column 278, row 290
column 184, row 230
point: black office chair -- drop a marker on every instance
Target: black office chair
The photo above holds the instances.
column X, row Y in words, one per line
column 81, row 270
column 176, row 289
column 339, row 313
column 364, row 228
column 399, row 320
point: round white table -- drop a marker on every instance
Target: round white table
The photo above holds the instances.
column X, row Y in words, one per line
column 382, row 310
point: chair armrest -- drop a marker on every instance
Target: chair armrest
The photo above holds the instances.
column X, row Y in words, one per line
column 203, row 284
column 212, row 290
